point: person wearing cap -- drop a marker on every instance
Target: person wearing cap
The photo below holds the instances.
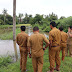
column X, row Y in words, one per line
column 35, row 44
column 21, row 40
column 64, row 37
column 54, row 48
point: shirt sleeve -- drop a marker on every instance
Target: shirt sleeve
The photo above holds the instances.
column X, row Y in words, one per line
column 45, row 39
column 29, row 42
column 50, row 36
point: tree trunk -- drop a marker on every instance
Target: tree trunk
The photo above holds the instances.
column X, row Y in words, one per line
column 14, row 28
column 14, row 20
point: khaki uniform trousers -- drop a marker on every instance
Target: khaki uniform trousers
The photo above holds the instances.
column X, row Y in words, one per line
column 69, row 47
column 23, row 58
column 54, row 57
column 37, row 63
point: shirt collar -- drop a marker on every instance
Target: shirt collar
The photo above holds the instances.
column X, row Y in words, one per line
column 54, row 28
column 36, row 32
column 22, row 31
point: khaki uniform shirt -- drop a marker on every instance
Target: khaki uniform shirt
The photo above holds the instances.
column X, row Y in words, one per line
column 21, row 39
column 55, row 37
column 35, row 41
column 69, row 40
column 64, row 37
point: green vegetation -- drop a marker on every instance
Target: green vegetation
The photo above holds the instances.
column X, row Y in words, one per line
column 65, row 22
column 6, row 32
column 4, row 61
column 7, row 66
column 10, row 26
column 42, row 21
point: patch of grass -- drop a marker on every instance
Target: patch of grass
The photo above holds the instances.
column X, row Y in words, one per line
column 8, row 35
column 4, row 61
column 66, row 66
column 18, row 25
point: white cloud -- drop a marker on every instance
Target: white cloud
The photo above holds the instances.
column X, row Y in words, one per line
column 59, row 7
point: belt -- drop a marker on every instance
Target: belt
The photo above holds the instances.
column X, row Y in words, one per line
column 54, row 46
column 23, row 46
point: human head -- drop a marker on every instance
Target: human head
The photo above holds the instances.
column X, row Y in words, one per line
column 70, row 27
column 61, row 28
column 35, row 29
column 23, row 28
column 52, row 24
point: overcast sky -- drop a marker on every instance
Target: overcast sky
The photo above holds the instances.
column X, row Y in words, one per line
column 59, row 7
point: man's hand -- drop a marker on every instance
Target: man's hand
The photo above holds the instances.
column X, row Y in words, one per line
column 29, row 55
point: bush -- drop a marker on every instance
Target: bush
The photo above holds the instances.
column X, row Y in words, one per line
column 4, row 61
column 36, row 25
column 1, row 22
column 65, row 23
column 47, row 29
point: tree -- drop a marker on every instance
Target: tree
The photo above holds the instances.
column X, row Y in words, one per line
column 27, row 19
column 37, row 19
column 14, row 27
column 52, row 17
column 9, row 19
column 20, row 17
column 62, row 17
column 4, row 13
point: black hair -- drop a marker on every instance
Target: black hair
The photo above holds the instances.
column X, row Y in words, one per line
column 23, row 28
column 53, row 24
column 35, row 28
column 70, row 27
column 61, row 28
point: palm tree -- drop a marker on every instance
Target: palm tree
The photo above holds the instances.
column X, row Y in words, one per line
column 14, row 27
column 20, row 17
column 4, row 13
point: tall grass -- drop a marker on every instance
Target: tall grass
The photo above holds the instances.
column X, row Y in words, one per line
column 66, row 66
column 4, row 61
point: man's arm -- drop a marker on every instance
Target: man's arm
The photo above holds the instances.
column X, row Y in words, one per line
column 70, row 34
column 17, row 39
column 29, row 47
column 29, row 52
column 50, row 45
column 50, row 40
column 46, row 41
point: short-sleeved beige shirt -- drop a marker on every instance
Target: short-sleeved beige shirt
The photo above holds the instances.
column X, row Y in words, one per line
column 55, row 37
column 21, row 39
column 64, row 37
column 35, row 41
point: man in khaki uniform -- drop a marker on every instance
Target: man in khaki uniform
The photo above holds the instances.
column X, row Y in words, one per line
column 54, row 48
column 35, row 42
column 64, row 37
column 69, row 42
column 21, row 40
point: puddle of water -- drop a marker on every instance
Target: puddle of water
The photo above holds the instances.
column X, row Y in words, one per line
column 7, row 47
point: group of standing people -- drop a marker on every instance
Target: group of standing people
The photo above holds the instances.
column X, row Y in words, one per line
column 33, row 46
